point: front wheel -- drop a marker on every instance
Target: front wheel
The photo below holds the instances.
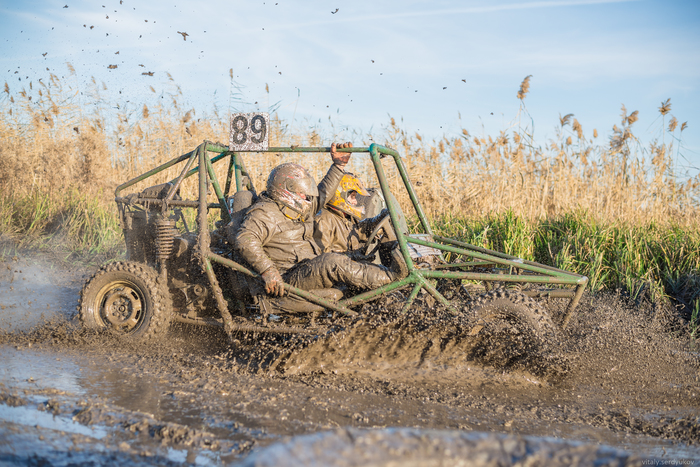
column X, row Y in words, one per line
column 126, row 298
column 512, row 330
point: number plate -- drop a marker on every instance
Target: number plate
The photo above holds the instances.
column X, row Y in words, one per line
column 249, row 132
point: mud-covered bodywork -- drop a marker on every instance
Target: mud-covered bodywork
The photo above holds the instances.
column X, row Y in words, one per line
column 206, row 283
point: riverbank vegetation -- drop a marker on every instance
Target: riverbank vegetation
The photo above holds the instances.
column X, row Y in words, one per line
column 608, row 207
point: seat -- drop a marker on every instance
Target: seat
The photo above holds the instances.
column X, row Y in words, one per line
column 239, row 203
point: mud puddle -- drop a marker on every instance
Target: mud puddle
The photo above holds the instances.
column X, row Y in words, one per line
column 158, row 418
column 113, row 402
column 67, row 397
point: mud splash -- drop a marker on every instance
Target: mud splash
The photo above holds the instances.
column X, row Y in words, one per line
column 630, row 368
column 33, row 291
column 428, row 337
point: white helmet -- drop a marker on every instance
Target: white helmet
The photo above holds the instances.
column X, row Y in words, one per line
column 293, row 186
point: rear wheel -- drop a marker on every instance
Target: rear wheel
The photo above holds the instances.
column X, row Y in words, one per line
column 127, row 299
column 513, row 330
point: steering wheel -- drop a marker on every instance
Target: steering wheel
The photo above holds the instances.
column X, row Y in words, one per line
column 375, row 239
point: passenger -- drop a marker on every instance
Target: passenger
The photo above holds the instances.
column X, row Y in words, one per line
column 341, row 226
column 276, row 235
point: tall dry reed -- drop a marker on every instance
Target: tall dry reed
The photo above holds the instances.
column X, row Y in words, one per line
column 54, row 136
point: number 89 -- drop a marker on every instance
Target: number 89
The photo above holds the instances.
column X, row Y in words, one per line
column 239, row 127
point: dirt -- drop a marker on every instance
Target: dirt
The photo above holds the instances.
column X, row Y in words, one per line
column 385, row 391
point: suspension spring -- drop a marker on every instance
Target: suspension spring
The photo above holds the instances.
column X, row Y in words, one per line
column 165, row 236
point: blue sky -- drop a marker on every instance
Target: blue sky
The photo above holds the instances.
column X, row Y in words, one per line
column 435, row 66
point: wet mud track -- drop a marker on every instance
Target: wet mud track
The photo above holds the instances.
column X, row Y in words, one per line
column 67, row 397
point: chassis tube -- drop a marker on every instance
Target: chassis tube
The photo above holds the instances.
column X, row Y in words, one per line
column 411, row 297
column 573, row 304
column 407, row 183
column 568, row 278
column 290, row 288
column 393, row 212
column 217, row 188
column 479, row 249
column 153, row 172
column 476, row 276
column 180, row 178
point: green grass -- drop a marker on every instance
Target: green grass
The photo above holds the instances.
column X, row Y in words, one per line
column 646, row 258
column 695, row 321
column 79, row 223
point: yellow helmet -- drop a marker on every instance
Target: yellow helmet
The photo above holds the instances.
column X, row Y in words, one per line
column 349, row 197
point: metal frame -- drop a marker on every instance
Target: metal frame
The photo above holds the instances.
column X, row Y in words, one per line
column 420, row 278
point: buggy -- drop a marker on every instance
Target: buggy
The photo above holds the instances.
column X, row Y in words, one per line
column 174, row 273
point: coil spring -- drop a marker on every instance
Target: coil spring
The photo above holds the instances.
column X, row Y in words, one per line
column 165, row 236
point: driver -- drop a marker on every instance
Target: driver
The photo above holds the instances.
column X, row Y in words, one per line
column 276, row 235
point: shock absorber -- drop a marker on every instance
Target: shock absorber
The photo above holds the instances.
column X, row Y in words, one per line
column 165, row 236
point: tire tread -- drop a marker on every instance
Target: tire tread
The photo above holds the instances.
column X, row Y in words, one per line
column 161, row 314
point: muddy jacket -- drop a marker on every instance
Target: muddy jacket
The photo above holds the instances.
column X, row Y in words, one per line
column 268, row 238
column 336, row 233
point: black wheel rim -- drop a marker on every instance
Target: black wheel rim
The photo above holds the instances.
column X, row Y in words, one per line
column 121, row 306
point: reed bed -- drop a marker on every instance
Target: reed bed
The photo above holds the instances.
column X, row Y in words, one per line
column 608, row 207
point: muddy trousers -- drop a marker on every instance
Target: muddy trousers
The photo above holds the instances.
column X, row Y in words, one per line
column 329, row 269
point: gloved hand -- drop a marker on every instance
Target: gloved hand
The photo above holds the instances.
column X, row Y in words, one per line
column 370, row 223
column 340, row 159
column 274, row 285
column 357, row 255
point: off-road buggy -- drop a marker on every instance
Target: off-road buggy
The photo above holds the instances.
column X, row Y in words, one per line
column 192, row 276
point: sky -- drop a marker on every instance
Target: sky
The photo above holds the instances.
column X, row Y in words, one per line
column 435, row 66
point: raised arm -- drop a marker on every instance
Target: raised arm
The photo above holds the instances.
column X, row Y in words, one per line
column 327, row 187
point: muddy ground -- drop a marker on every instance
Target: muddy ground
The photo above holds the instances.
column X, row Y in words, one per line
column 373, row 395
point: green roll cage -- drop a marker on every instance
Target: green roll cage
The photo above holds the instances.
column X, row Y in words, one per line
column 570, row 285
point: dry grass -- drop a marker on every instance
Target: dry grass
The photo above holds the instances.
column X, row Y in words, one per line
column 614, row 180
column 52, row 139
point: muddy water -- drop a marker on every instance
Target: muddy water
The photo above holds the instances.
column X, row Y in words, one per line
column 70, row 397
